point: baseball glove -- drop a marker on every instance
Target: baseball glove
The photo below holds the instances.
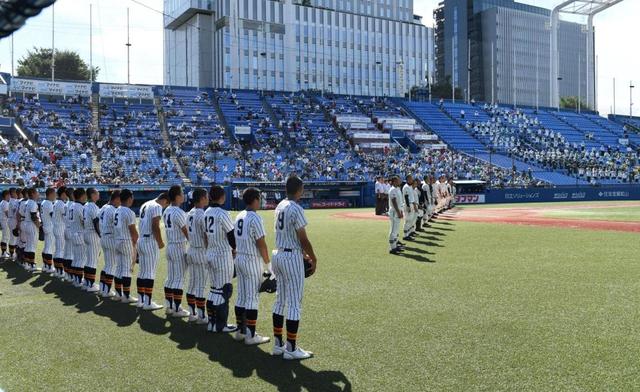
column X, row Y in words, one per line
column 307, row 267
column 269, row 284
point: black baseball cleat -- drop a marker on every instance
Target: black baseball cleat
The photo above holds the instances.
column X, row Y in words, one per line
column 395, row 251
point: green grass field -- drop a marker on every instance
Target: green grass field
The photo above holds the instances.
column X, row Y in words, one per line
column 471, row 307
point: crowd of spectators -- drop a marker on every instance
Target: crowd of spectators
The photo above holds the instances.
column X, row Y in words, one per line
column 131, row 148
column 522, row 136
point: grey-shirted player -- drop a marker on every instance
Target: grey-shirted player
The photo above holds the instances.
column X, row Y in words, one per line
column 109, row 244
column 175, row 224
column 220, row 251
column 250, row 262
column 91, row 217
column 197, row 257
column 293, row 246
column 46, row 216
column 124, row 223
column 59, row 223
column 149, row 246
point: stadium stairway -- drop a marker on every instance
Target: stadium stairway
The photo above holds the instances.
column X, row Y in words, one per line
column 165, row 138
column 222, row 119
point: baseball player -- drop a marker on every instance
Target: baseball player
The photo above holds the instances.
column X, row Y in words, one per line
column 292, row 246
column 149, row 246
column 68, row 240
column 108, row 243
column 4, row 223
column 75, row 217
column 46, row 215
column 426, row 189
column 91, row 222
column 126, row 234
column 175, row 223
column 59, row 222
column 396, row 206
column 30, row 226
column 22, row 206
column 411, row 208
column 13, row 223
column 220, row 251
column 452, row 193
column 252, row 253
column 197, row 257
column 417, row 189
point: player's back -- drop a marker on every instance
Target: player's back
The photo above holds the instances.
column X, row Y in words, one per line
column 122, row 219
column 248, row 228
column 196, row 226
column 47, row 215
column 174, row 219
column 58, row 214
column 148, row 211
column 217, row 223
column 289, row 218
column 89, row 213
column 107, row 213
column 76, row 217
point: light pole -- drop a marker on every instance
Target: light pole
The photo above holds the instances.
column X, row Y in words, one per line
column 375, row 92
column 631, row 87
column 266, row 79
column 558, row 84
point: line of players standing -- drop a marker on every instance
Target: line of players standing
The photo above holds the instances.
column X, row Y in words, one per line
column 418, row 202
column 203, row 244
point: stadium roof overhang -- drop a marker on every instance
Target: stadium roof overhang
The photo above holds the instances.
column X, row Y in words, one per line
column 588, row 8
column 585, row 7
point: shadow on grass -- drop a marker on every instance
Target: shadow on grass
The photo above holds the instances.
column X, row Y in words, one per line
column 243, row 361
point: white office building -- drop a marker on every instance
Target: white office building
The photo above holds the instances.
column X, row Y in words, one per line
column 360, row 47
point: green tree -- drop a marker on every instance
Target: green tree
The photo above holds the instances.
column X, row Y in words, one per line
column 37, row 63
column 572, row 103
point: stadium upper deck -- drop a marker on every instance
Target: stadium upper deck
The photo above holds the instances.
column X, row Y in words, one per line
column 153, row 134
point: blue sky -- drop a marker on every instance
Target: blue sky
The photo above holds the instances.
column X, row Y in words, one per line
column 617, row 33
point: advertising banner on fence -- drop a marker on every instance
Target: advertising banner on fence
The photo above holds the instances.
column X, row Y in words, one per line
column 470, row 199
column 47, row 87
column 125, row 91
column 629, row 192
column 329, row 204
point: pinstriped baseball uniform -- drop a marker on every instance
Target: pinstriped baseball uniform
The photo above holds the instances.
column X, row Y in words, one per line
column 426, row 188
column 219, row 256
column 249, row 264
column 4, row 221
column 76, row 220
column 58, row 228
column 22, row 212
column 107, row 239
column 122, row 219
column 394, row 218
column 47, row 227
column 174, row 219
column 197, row 253
column 29, row 226
column 148, row 250
column 91, row 237
column 13, row 223
column 68, row 235
column 288, row 263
